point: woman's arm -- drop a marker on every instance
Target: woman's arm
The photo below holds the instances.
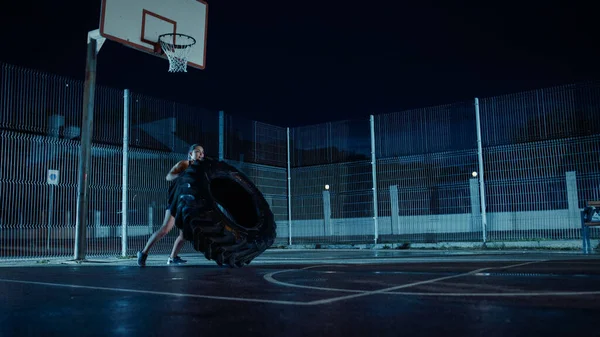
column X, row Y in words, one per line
column 176, row 170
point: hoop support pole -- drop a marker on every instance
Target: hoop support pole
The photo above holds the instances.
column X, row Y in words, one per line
column 87, row 130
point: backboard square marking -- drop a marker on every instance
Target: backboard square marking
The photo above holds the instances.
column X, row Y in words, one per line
column 154, row 39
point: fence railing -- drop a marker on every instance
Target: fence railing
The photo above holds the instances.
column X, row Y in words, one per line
column 510, row 168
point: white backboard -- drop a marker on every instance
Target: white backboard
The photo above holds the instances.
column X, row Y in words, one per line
column 138, row 23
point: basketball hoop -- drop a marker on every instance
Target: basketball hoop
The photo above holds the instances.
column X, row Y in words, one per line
column 177, row 47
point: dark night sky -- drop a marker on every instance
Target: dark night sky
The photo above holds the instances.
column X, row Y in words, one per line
column 294, row 63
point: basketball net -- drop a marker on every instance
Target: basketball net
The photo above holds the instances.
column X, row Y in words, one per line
column 177, row 47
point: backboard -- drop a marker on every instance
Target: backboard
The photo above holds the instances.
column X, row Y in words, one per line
column 138, row 23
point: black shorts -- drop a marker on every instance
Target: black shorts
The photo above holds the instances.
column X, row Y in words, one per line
column 171, row 204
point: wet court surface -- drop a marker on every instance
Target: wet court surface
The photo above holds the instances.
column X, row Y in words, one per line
column 314, row 293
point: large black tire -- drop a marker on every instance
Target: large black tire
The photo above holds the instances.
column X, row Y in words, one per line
column 223, row 213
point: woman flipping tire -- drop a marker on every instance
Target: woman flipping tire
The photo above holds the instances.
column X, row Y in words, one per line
column 223, row 213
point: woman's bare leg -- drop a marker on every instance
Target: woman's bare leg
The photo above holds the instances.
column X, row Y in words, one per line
column 179, row 242
column 168, row 223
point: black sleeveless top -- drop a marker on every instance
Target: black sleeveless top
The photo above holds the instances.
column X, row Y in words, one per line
column 172, row 187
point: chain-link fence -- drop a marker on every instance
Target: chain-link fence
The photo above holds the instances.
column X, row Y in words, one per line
column 509, row 168
column 331, row 183
column 541, row 159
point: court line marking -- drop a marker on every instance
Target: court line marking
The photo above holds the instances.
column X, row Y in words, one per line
column 376, row 261
column 408, row 285
column 359, row 293
column 311, row 303
column 158, row 293
column 269, row 278
column 507, row 294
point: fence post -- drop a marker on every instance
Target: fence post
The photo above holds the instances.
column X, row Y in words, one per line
column 150, row 220
column 394, row 208
column 573, row 199
column 481, row 170
column 125, row 172
column 97, row 225
column 221, row 135
column 289, row 189
column 327, row 230
column 374, row 174
column 475, row 204
column 55, row 122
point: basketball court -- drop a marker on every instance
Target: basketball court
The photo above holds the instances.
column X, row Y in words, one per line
column 308, row 292
column 282, row 292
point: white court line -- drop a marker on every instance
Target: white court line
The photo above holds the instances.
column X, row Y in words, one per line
column 376, row 261
column 317, row 302
column 360, row 293
column 157, row 293
column 321, row 266
column 521, row 294
column 269, row 278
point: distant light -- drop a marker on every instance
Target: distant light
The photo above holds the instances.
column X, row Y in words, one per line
column 474, row 174
column 327, row 186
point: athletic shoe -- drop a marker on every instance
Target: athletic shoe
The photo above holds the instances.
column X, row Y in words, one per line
column 176, row 260
column 141, row 259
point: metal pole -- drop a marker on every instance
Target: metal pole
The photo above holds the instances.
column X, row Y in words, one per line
column 221, row 135
column 374, row 174
column 289, row 188
column 50, row 212
column 327, row 226
column 481, row 180
column 55, row 124
column 125, row 172
column 87, row 123
column 394, row 206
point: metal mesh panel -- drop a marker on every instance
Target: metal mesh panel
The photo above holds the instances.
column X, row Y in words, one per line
column 272, row 182
column 260, row 151
column 196, row 126
column 32, row 100
column 551, row 132
column 344, row 213
column 37, row 219
column 43, row 103
column 425, row 188
column 254, row 142
column 585, row 160
column 428, row 198
column 329, row 143
column 271, row 145
column 559, row 112
column 540, row 159
column 428, row 130
column 108, row 116
column 527, row 187
column 163, row 125
column 104, row 218
column 588, row 181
